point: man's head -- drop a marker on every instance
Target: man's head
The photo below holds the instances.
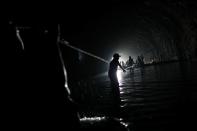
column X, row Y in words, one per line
column 116, row 56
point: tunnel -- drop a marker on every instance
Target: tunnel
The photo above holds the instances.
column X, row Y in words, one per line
column 56, row 65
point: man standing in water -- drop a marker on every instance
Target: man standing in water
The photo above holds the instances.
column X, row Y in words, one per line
column 112, row 73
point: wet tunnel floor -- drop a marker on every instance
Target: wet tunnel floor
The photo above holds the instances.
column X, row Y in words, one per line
column 156, row 97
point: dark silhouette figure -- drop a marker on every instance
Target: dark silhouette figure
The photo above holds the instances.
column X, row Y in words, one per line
column 36, row 97
column 140, row 61
column 113, row 70
column 113, row 77
column 130, row 63
column 123, row 64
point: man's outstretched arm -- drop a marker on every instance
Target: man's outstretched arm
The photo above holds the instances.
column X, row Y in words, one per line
column 121, row 67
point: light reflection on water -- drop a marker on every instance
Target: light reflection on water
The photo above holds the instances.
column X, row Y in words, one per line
column 91, row 119
column 150, row 96
column 104, row 120
column 119, row 75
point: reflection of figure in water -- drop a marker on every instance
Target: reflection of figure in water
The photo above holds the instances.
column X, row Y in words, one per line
column 113, row 76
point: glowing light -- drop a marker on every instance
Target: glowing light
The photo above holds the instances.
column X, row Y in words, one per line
column 92, row 119
column 124, row 124
column 104, row 119
column 19, row 38
column 119, row 75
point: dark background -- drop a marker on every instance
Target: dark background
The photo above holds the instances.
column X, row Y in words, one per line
column 164, row 31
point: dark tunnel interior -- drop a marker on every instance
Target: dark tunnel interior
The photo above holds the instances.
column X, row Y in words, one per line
column 49, row 52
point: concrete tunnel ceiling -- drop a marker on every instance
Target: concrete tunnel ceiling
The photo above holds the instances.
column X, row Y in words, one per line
column 153, row 29
column 156, row 32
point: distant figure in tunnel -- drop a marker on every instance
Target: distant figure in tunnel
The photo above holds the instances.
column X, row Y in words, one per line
column 130, row 63
column 113, row 77
column 140, row 61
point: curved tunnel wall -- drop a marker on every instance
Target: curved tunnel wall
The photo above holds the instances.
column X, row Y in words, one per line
column 167, row 31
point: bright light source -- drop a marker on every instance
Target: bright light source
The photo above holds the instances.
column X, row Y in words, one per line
column 91, row 119
column 119, row 75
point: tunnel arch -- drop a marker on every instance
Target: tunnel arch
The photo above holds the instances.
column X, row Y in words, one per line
column 166, row 31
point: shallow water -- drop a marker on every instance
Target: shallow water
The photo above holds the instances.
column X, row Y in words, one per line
column 156, row 97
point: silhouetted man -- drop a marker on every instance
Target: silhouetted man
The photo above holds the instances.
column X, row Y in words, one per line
column 113, row 70
column 113, row 77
